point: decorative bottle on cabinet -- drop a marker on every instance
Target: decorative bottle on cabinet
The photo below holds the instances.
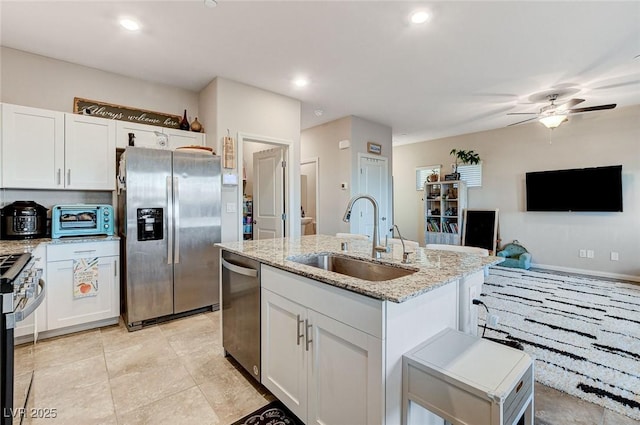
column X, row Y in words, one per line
column 184, row 124
column 196, row 126
column 444, row 204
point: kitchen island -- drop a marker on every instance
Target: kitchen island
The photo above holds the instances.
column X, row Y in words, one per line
column 332, row 344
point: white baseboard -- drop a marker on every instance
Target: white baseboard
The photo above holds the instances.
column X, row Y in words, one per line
column 619, row 276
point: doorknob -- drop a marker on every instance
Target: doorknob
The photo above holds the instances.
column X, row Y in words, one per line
column 254, row 222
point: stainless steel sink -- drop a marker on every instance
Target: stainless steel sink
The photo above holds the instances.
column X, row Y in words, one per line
column 354, row 267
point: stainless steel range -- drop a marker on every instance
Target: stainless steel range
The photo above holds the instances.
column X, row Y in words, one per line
column 22, row 290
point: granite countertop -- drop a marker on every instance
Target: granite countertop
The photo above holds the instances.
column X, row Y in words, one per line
column 434, row 268
column 28, row 245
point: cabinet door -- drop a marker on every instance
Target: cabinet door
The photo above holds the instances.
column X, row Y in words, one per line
column 178, row 138
column 63, row 309
column 145, row 136
column 284, row 358
column 346, row 373
column 90, row 153
column 32, row 148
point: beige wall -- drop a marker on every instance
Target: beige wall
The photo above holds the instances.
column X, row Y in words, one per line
column 234, row 108
column 41, row 82
column 334, row 167
column 553, row 238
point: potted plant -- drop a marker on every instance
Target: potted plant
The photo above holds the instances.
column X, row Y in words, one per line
column 463, row 157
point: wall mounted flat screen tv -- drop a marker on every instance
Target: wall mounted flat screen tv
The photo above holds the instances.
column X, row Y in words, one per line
column 581, row 189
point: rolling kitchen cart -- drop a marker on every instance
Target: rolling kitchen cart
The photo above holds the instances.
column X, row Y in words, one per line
column 465, row 379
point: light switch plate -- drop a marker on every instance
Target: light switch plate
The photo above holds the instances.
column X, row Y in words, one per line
column 231, row 207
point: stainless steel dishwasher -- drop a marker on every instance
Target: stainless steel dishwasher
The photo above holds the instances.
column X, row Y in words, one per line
column 241, row 311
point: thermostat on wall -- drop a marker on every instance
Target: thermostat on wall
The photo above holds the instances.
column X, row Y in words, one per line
column 230, row 179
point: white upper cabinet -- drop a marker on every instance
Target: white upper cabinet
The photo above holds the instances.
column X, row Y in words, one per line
column 149, row 136
column 44, row 149
column 146, row 136
column 32, row 148
column 90, row 153
column 178, row 138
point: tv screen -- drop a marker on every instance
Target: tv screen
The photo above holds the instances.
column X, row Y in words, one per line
column 580, row 189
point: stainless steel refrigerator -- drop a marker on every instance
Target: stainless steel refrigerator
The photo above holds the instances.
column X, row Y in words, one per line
column 169, row 220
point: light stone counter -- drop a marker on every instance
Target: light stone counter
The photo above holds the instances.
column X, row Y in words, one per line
column 28, row 245
column 435, row 268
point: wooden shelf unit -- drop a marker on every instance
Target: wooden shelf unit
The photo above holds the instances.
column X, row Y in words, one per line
column 444, row 203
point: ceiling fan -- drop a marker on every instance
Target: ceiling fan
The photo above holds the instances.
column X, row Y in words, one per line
column 552, row 115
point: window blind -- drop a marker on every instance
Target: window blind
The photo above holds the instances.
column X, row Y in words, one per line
column 471, row 174
column 423, row 172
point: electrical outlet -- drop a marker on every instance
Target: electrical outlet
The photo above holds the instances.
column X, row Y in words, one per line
column 614, row 256
column 231, row 207
column 583, row 253
column 590, row 253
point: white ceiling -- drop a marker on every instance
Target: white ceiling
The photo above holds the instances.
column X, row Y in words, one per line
column 460, row 73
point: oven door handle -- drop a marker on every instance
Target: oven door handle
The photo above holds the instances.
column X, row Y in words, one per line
column 20, row 315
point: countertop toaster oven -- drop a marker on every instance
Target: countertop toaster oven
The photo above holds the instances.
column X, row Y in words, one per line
column 81, row 220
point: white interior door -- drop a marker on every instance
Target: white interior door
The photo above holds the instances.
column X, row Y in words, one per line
column 373, row 180
column 268, row 190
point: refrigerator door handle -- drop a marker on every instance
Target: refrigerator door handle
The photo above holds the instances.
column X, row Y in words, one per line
column 176, row 225
column 169, row 221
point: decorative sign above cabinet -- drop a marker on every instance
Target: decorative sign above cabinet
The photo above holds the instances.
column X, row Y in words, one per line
column 123, row 113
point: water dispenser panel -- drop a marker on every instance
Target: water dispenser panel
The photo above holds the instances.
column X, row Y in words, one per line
column 150, row 224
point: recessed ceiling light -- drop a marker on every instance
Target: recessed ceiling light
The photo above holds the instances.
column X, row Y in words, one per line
column 129, row 24
column 419, row 17
column 301, row 82
column 210, row 3
column 318, row 112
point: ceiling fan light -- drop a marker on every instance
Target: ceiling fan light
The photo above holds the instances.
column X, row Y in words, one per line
column 553, row 121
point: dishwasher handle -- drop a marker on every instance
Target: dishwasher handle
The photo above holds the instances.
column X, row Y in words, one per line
column 238, row 269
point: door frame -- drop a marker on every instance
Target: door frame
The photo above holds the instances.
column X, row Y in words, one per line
column 314, row 160
column 289, row 178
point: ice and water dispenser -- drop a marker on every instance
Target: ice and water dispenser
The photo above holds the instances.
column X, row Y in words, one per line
column 150, row 225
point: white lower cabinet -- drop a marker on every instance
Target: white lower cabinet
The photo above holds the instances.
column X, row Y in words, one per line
column 325, row 370
column 68, row 308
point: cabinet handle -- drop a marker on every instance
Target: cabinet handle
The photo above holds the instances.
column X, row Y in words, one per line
column 307, row 332
column 84, row 251
column 69, row 177
column 59, row 175
column 115, row 268
column 300, row 335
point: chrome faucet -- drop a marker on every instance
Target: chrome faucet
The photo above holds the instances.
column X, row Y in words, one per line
column 405, row 254
column 376, row 248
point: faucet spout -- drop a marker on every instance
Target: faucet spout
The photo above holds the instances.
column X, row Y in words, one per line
column 376, row 248
column 405, row 254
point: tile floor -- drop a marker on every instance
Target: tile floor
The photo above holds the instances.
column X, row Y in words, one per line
column 175, row 373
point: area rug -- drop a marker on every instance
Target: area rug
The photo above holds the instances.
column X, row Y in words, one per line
column 274, row 413
column 583, row 332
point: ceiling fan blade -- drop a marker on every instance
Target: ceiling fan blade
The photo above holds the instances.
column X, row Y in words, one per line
column 569, row 104
column 591, row 108
column 520, row 122
column 522, row 113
